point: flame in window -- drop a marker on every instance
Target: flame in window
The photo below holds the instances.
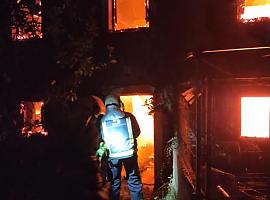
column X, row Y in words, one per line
column 32, row 118
column 255, row 118
column 128, row 14
column 26, row 21
column 254, row 10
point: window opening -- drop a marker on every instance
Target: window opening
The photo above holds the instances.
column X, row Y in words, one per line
column 127, row 14
column 253, row 10
column 26, row 20
column 255, row 117
column 32, row 118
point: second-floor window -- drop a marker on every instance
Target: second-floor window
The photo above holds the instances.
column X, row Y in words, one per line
column 127, row 14
column 253, row 10
column 26, row 20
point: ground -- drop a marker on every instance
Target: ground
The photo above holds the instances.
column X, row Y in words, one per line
column 147, row 180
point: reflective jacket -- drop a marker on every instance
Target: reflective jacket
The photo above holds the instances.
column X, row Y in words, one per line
column 119, row 131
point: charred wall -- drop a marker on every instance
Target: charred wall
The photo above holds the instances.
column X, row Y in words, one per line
column 187, row 143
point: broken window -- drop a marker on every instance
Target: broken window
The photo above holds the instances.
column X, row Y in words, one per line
column 26, row 20
column 32, row 118
column 127, row 14
column 255, row 117
column 253, row 10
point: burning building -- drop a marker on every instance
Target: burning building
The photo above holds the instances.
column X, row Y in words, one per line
column 208, row 131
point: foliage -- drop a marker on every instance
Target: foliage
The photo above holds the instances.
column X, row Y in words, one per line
column 164, row 100
column 71, row 32
column 72, row 27
column 167, row 191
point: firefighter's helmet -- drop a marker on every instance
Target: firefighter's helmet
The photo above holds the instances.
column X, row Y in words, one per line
column 112, row 100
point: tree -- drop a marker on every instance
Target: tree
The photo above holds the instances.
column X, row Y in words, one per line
column 70, row 30
column 73, row 30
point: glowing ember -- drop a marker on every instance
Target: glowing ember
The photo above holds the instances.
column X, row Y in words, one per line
column 255, row 116
column 254, row 10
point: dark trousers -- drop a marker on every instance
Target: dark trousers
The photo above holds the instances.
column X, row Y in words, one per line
column 133, row 177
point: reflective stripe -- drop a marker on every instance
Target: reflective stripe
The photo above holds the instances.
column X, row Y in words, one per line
column 110, row 136
column 105, row 133
column 122, row 154
column 130, row 131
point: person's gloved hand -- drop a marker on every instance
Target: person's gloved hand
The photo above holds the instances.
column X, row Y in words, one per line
column 102, row 151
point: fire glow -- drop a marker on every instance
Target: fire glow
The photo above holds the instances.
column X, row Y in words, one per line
column 32, row 25
column 255, row 10
column 125, row 15
column 135, row 104
column 32, row 118
column 255, row 113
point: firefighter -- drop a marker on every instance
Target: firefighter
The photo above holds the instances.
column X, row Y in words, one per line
column 119, row 131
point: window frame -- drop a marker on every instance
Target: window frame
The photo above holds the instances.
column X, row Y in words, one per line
column 30, row 17
column 112, row 17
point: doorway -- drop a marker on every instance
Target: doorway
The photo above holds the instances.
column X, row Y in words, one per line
column 135, row 104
